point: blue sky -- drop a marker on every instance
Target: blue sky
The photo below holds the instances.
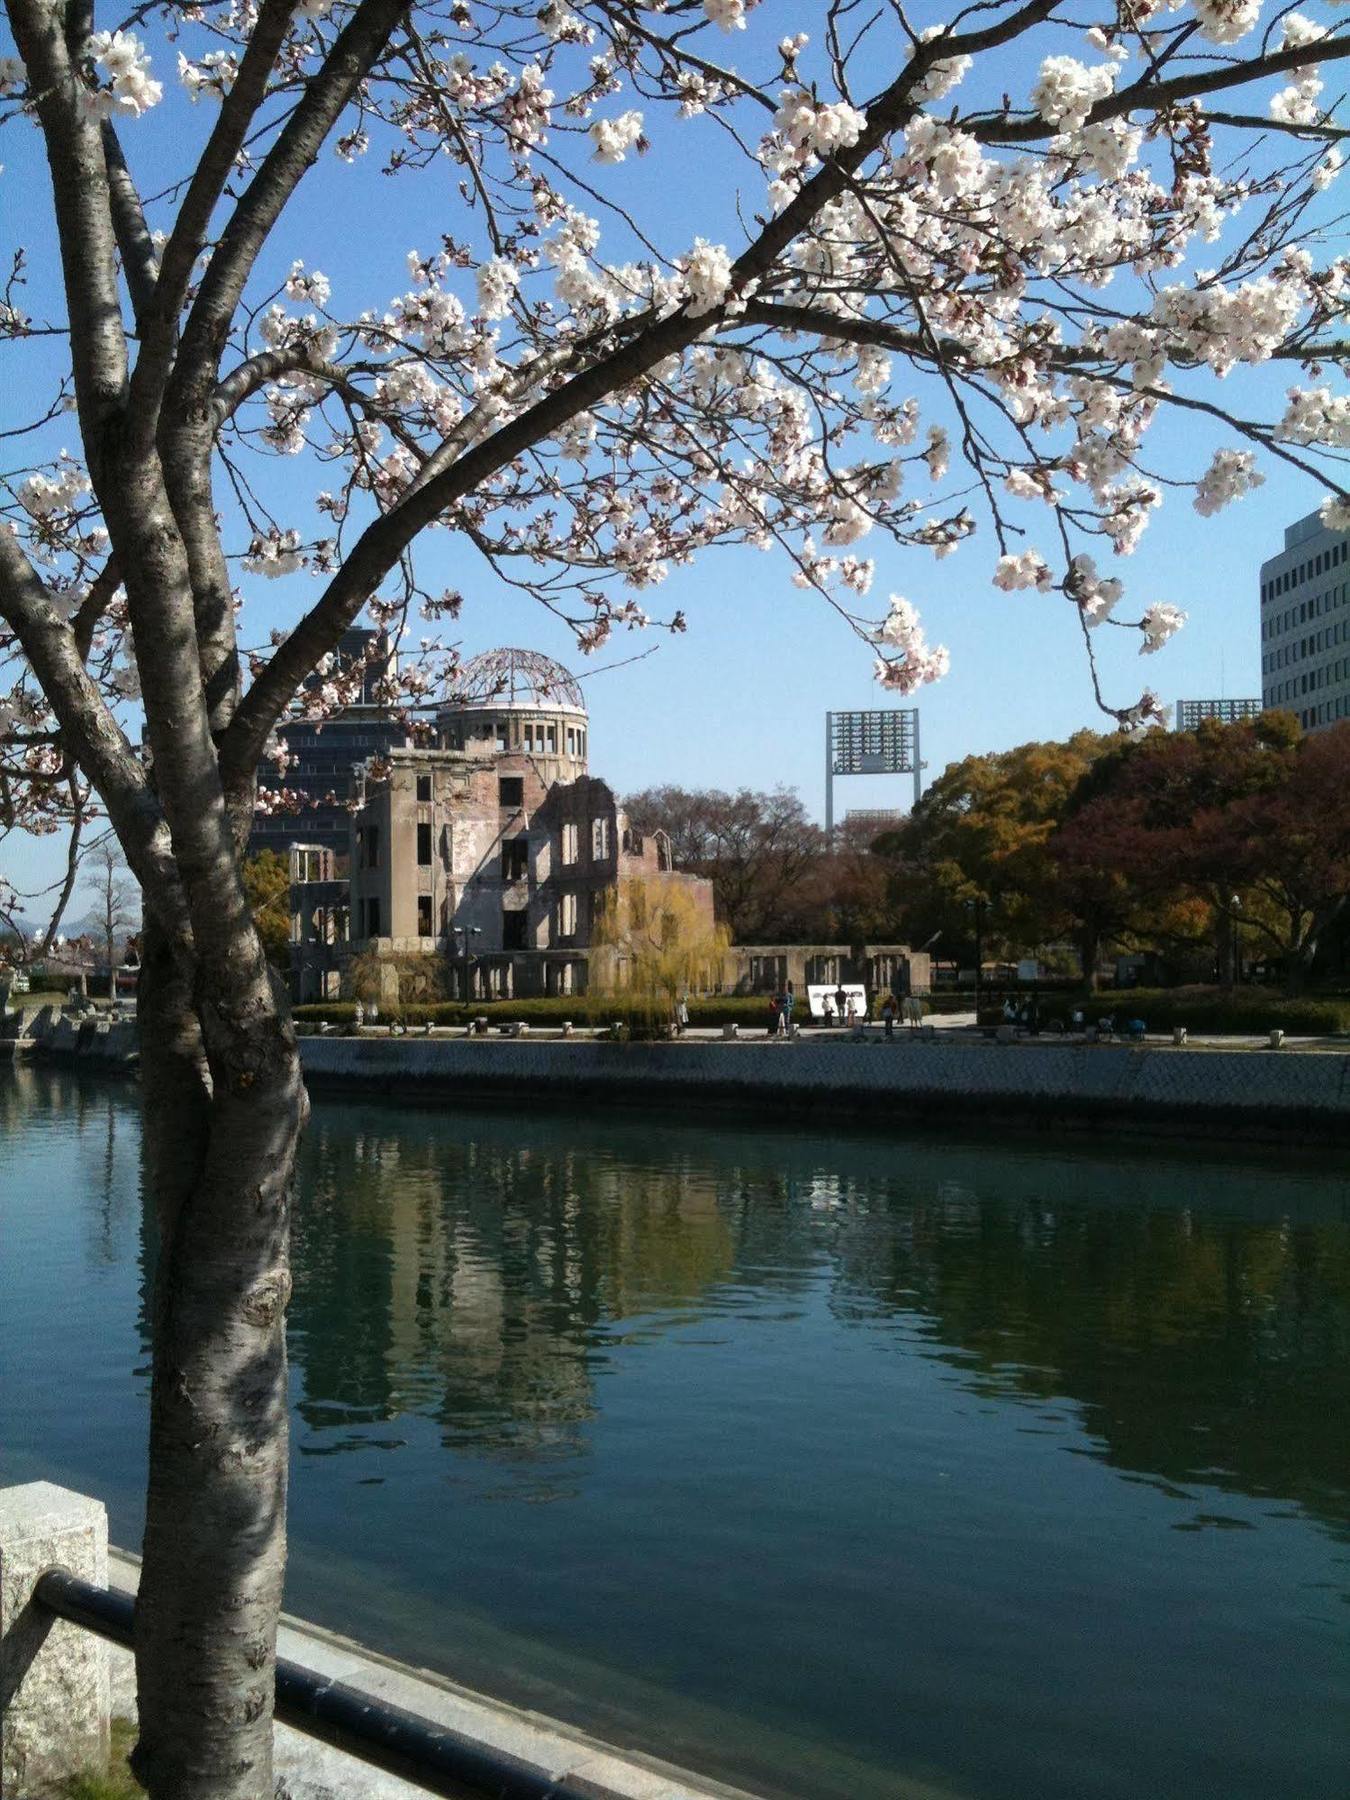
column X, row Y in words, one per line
column 740, row 700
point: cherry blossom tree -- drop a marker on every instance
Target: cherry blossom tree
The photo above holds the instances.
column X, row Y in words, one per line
column 952, row 274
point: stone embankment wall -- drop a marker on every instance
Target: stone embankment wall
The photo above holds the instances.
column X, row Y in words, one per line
column 1283, row 1094
column 103, row 1042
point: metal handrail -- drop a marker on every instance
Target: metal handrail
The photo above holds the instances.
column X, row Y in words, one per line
column 388, row 1737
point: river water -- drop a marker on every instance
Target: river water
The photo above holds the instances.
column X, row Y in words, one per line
column 843, row 1466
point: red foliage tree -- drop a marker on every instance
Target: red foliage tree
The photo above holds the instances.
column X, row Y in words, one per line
column 1249, row 812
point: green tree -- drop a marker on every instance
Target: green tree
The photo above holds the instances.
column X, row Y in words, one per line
column 656, row 943
column 980, row 833
column 267, row 887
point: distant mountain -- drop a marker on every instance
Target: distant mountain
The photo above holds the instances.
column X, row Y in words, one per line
column 90, row 924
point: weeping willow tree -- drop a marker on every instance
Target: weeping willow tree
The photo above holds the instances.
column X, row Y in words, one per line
column 652, row 944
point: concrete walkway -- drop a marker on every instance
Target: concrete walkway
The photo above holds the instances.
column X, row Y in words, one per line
column 309, row 1770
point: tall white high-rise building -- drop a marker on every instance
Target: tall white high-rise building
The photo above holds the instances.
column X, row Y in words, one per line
column 1305, row 625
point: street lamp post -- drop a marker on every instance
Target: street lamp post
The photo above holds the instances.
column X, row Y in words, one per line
column 466, row 932
column 1234, row 940
column 977, row 907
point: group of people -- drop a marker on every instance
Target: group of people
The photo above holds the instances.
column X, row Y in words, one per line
column 780, row 1012
column 841, row 1008
column 1025, row 1014
column 846, row 1009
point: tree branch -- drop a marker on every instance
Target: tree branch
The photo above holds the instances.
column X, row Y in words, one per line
column 84, row 225
column 1254, row 122
column 255, row 372
column 350, row 59
column 1148, row 95
column 382, row 543
column 72, row 866
column 133, row 234
column 93, row 736
column 160, row 322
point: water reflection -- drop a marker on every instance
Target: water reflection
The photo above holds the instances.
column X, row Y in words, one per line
column 482, row 1281
column 470, row 1279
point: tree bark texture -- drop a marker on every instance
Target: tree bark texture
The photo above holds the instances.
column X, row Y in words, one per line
column 1089, row 949
column 224, row 1108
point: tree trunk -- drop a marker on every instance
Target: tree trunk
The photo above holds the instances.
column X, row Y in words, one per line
column 224, row 1107
column 1089, row 949
column 1228, row 969
column 1303, row 953
column 1297, row 964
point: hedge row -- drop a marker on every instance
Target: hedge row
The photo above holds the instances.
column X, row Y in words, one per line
column 1199, row 1009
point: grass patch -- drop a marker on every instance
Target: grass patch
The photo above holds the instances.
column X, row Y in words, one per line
column 116, row 1782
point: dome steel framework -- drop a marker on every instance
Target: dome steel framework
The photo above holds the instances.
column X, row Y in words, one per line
column 511, row 678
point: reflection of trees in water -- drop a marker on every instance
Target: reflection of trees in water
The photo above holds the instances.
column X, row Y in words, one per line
column 103, row 1129
column 470, row 1269
column 1198, row 1347
column 471, row 1279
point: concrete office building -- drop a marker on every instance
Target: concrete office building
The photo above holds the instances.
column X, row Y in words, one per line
column 325, row 754
column 1190, row 713
column 1305, row 625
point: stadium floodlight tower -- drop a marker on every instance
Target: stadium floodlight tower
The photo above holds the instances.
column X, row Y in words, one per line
column 871, row 743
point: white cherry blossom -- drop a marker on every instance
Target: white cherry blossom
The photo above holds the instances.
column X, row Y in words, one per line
column 1225, row 21
column 707, row 276
column 1067, row 90
column 729, row 14
column 1027, row 569
column 1232, row 474
column 122, row 59
column 1160, row 623
column 614, row 138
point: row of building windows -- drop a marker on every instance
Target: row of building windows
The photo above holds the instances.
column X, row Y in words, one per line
column 1325, row 713
column 298, row 739
column 1316, row 641
column 539, row 737
column 515, row 920
column 515, row 851
column 1310, row 681
column 330, row 924
column 1308, row 571
column 1314, row 608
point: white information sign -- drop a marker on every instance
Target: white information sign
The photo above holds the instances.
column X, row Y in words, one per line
column 823, row 1003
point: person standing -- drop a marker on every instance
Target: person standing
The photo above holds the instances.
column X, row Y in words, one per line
column 789, row 1000
column 888, row 1015
column 682, row 1014
column 841, row 1004
column 773, row 1015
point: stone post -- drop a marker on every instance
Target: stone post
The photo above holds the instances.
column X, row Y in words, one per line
column 54, row 1698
